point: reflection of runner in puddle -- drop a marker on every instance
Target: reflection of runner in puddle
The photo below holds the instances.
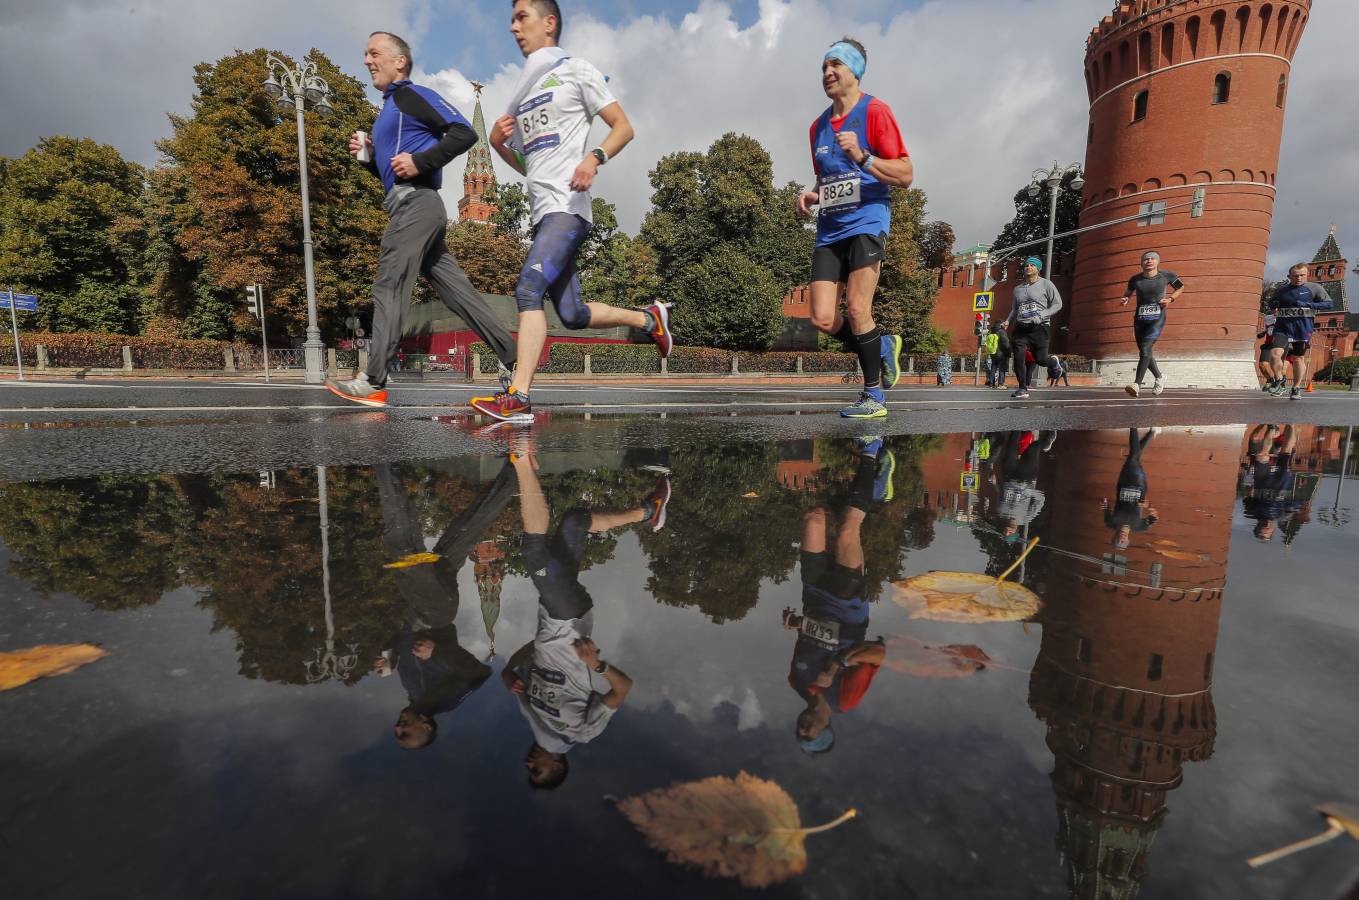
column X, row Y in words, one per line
column 1020, row 499
column 437, row 673
column 565, row 689
column 1270, row 495
column 833, row 662
column 1130, row 511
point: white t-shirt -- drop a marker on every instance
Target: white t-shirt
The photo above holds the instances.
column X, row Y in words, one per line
column 559, row 700
column 554, row 104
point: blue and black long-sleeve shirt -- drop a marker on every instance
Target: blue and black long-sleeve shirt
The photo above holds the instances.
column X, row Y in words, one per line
column 1294, row 305
column 416, row 120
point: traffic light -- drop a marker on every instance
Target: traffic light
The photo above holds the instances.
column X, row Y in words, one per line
column 979, row 326
column 254, row 300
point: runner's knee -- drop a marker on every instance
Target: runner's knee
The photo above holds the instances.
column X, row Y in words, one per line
column 530, row 290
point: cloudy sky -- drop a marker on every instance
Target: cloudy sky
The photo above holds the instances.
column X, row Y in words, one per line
column 985, row 90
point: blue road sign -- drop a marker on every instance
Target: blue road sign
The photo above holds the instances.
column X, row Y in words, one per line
column 22, row 302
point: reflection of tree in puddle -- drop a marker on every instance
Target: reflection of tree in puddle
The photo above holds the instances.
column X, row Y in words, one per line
column 1123, row 677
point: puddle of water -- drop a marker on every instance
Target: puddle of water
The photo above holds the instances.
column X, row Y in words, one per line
column 281, row 714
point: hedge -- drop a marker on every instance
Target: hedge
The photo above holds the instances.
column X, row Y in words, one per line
column 96, row 350
column 1341, row 370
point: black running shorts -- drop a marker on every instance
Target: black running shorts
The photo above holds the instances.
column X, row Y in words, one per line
column 834, row 262
column 1294, row 348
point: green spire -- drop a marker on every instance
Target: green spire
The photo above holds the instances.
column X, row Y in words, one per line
column 1329, row 248
column 479, row 157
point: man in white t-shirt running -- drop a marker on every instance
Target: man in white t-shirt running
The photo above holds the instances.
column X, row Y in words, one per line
column 544, row 137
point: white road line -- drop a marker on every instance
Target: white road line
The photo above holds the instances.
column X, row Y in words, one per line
column 591, row 407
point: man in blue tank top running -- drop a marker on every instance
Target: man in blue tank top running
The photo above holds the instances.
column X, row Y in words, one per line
column 858, row 156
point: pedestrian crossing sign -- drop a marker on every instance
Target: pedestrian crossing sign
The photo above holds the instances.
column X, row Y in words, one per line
column 981, row 301
column 968, row 481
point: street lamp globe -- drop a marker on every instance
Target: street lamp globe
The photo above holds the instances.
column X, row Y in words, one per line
column 284, row 103
column 1033, row 191
column 272, row 87
column 314, row 91
column 323, row 106
column 1078, row 182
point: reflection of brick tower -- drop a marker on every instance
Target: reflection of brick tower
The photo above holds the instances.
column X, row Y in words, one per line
column 1124, row 674
column 479, row 177
column 1184, row 94
column 488, row 570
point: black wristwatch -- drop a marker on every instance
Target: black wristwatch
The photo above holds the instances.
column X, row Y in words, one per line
column 601, row 668
column 600, row 155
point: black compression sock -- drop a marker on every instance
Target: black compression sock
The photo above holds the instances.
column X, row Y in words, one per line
column 846, row 337
column 869, row 348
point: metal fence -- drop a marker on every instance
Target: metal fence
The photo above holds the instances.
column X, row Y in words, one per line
column 453, row 363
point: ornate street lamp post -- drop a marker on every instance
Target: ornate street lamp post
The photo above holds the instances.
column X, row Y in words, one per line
column 292, row 89
column 1053, row 179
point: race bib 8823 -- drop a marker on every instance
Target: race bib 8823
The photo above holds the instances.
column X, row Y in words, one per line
column 840, row 191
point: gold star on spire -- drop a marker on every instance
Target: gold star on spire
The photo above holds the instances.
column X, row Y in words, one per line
column 477, row 86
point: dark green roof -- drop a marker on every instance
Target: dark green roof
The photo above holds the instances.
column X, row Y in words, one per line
column 1329, row 249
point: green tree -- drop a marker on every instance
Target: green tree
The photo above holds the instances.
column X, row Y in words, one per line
column 907, row 289
column 936, row 245
column 490, row 258
column 727, row 245
column 511, row 216
column 1031, row 217
column 60, row 204
column 230, row 205
column 623, row 273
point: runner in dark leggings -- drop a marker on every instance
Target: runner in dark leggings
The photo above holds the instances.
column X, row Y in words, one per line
column 1154, row 291
column 1130, row 511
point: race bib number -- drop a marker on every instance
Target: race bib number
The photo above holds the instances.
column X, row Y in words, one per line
column 825, row 633
column 537, row 122
column 1295, row 312
column 545, row 690
column 1149, row 311
column 1029, row 311
column 1130, row 495
column 840, row 191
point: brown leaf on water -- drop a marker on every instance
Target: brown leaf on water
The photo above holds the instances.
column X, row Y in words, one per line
column 1164, row 542
column 910, row 656
column 1182, row 554
column 414, row 559
column 746, row 828
column 964, row 597
column 22, row 666
column 749, row 495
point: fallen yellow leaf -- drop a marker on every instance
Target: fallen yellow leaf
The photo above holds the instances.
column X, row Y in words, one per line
column 1181, row 554
column 22, row 666
column 749, row 494
column 746, row 828
column 414, row 559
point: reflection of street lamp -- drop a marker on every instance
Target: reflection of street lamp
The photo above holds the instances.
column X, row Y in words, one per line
column 1053, row 179
column 324, row 663
column 292, row 90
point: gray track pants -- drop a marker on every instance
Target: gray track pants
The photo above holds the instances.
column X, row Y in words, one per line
column 412, row 245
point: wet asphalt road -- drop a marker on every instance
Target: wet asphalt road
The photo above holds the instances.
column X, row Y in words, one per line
column 51, row 429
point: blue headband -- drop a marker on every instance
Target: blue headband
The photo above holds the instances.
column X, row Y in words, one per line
column 850, row 56
column 1034, row 261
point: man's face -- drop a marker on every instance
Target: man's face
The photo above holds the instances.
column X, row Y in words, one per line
column 411, row 729
column 1150, row 264
column 836, row 78
column 384, row 64
column 1298, row 276
column 811, row 722
column 542, row 766
column 531, row 30
column 1031, row 272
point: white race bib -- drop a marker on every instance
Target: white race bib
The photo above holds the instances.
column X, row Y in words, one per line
column 545, row 690
column 1295, row 312
column 1149, row 311
column 537, row 122
column 840, row 191
column 1029, row 311
column 826, row 634
column 1130, row 495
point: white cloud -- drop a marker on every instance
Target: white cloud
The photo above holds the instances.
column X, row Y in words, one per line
column 985, row 90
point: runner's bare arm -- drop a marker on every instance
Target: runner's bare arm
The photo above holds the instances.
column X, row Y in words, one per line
column 896, row 172
column 500, row 135
column 620, row 134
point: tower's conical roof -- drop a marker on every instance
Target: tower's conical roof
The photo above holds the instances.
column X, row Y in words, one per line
column 1329, row 248
column 479, row 157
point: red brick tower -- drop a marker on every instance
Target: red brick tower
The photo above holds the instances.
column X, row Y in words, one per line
column 479, row 176
column 1123, row 678
column 1184, row 94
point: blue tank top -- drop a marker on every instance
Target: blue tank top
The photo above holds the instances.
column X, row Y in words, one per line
column 852, row 200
